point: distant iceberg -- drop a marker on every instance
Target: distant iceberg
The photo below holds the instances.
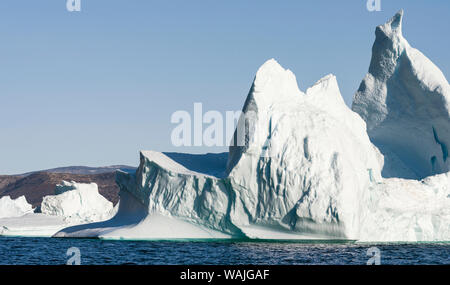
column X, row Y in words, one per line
column 73, row 203
column 308, row 169
column 10, row 208
column 77, row 202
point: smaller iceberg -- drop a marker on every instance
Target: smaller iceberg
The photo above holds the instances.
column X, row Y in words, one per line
column 73, row 203
column 77, row 202
column 10, row 208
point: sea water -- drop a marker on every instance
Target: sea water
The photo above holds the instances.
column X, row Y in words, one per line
column 34, row 251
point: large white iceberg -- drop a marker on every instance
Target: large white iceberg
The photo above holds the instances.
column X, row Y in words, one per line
column 307, row 169
column 297, row 176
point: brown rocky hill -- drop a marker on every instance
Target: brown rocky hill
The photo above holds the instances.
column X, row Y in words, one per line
column 37, row 185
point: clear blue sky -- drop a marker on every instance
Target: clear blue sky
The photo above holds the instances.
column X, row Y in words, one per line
column 95, row 87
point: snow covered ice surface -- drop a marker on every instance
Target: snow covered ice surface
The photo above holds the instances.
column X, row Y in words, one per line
column 308, row 169
column 34, row 225
column 74, row 203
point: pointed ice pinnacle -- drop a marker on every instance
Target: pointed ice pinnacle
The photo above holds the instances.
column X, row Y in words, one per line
column 404, row 100
column 394, row 24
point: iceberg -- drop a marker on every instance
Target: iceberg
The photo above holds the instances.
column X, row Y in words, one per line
column 73, row 203
column 10, row 208
column 309, row 167
column 80, row 202
column 306, row 165
column 404, row 99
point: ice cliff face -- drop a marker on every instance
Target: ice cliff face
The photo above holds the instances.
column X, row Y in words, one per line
column 407, row 210
column 306, row 161
column 14, row 208
column 77, row 202
column 303, row 166
column 404, row 100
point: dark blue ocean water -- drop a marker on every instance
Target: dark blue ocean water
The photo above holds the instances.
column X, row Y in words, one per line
column 19, row 250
